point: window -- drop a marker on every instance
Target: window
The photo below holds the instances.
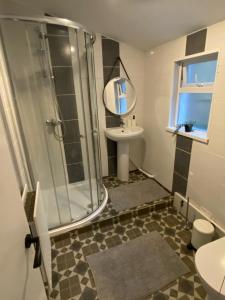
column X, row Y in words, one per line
column 194, row 107
column 193, row 92
column 199, row 73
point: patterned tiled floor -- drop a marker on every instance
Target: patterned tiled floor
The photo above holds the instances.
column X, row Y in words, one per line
column 72, row 277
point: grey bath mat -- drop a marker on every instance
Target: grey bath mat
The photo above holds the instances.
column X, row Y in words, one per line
column 137, row 193
column 135, row 269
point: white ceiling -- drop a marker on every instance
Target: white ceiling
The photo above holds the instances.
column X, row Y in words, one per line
column 141, row 23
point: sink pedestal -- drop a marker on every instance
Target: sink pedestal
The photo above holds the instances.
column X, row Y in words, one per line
column 123, row 160
column 123, row 136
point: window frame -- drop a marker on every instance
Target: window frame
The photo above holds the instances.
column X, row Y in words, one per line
column 179, row 87
column 197, row 59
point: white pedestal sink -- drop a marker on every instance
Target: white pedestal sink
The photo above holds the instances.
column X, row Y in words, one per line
column 123, row 136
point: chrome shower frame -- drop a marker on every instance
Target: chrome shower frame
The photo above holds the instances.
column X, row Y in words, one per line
column 50, row 20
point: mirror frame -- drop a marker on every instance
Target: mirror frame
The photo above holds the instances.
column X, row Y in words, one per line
column 135, row 99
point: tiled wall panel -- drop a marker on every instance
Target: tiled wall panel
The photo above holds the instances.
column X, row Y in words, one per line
column 110, row 51
column 195, row 43
column 181, row 164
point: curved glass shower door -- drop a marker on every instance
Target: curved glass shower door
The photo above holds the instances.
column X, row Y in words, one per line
column 51, row 73
column 33, row 102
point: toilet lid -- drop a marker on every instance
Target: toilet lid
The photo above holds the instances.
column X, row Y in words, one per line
column 210, row 263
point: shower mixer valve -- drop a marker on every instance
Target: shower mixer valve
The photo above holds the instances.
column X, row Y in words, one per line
column 53, row 122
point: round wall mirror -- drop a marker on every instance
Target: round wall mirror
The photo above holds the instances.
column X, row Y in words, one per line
column 119, row 96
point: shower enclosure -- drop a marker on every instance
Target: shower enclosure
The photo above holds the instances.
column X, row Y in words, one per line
column 51, row 70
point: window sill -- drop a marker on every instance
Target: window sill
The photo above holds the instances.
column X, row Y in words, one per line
column 197, row 135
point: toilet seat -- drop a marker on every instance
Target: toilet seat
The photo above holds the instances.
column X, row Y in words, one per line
column 210, row 264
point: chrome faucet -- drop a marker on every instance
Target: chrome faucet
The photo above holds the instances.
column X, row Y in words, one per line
column 122, row 123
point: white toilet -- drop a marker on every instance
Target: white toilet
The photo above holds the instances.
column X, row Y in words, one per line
column 210, row 265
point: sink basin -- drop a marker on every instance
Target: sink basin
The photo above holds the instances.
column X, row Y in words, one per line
column 122, row 134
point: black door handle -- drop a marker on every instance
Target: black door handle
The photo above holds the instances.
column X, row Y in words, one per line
column 29, row 239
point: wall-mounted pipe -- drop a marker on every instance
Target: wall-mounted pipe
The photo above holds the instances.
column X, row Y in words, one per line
column 143, row 171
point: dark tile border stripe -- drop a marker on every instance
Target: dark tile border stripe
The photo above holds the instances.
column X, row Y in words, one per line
column 181, row 164
column 195, row 42
column 110, row 51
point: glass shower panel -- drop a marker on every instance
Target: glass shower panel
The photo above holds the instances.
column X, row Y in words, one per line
column 34, row 103
column 79, row 64
column 94, row 113
column 54, row 133
column 69, row 99
column 87, row 93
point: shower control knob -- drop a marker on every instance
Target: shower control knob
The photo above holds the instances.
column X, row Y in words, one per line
column 48, row 123
column 53, row 122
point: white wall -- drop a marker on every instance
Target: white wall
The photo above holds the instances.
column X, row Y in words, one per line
column 206, row 184
column 11, row 7
column 134, row 61
column 159, row 144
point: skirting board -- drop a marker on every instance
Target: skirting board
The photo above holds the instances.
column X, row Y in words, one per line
column 180, row 203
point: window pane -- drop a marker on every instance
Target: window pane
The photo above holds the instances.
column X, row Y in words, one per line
column 201, row 72
column 194, row 107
